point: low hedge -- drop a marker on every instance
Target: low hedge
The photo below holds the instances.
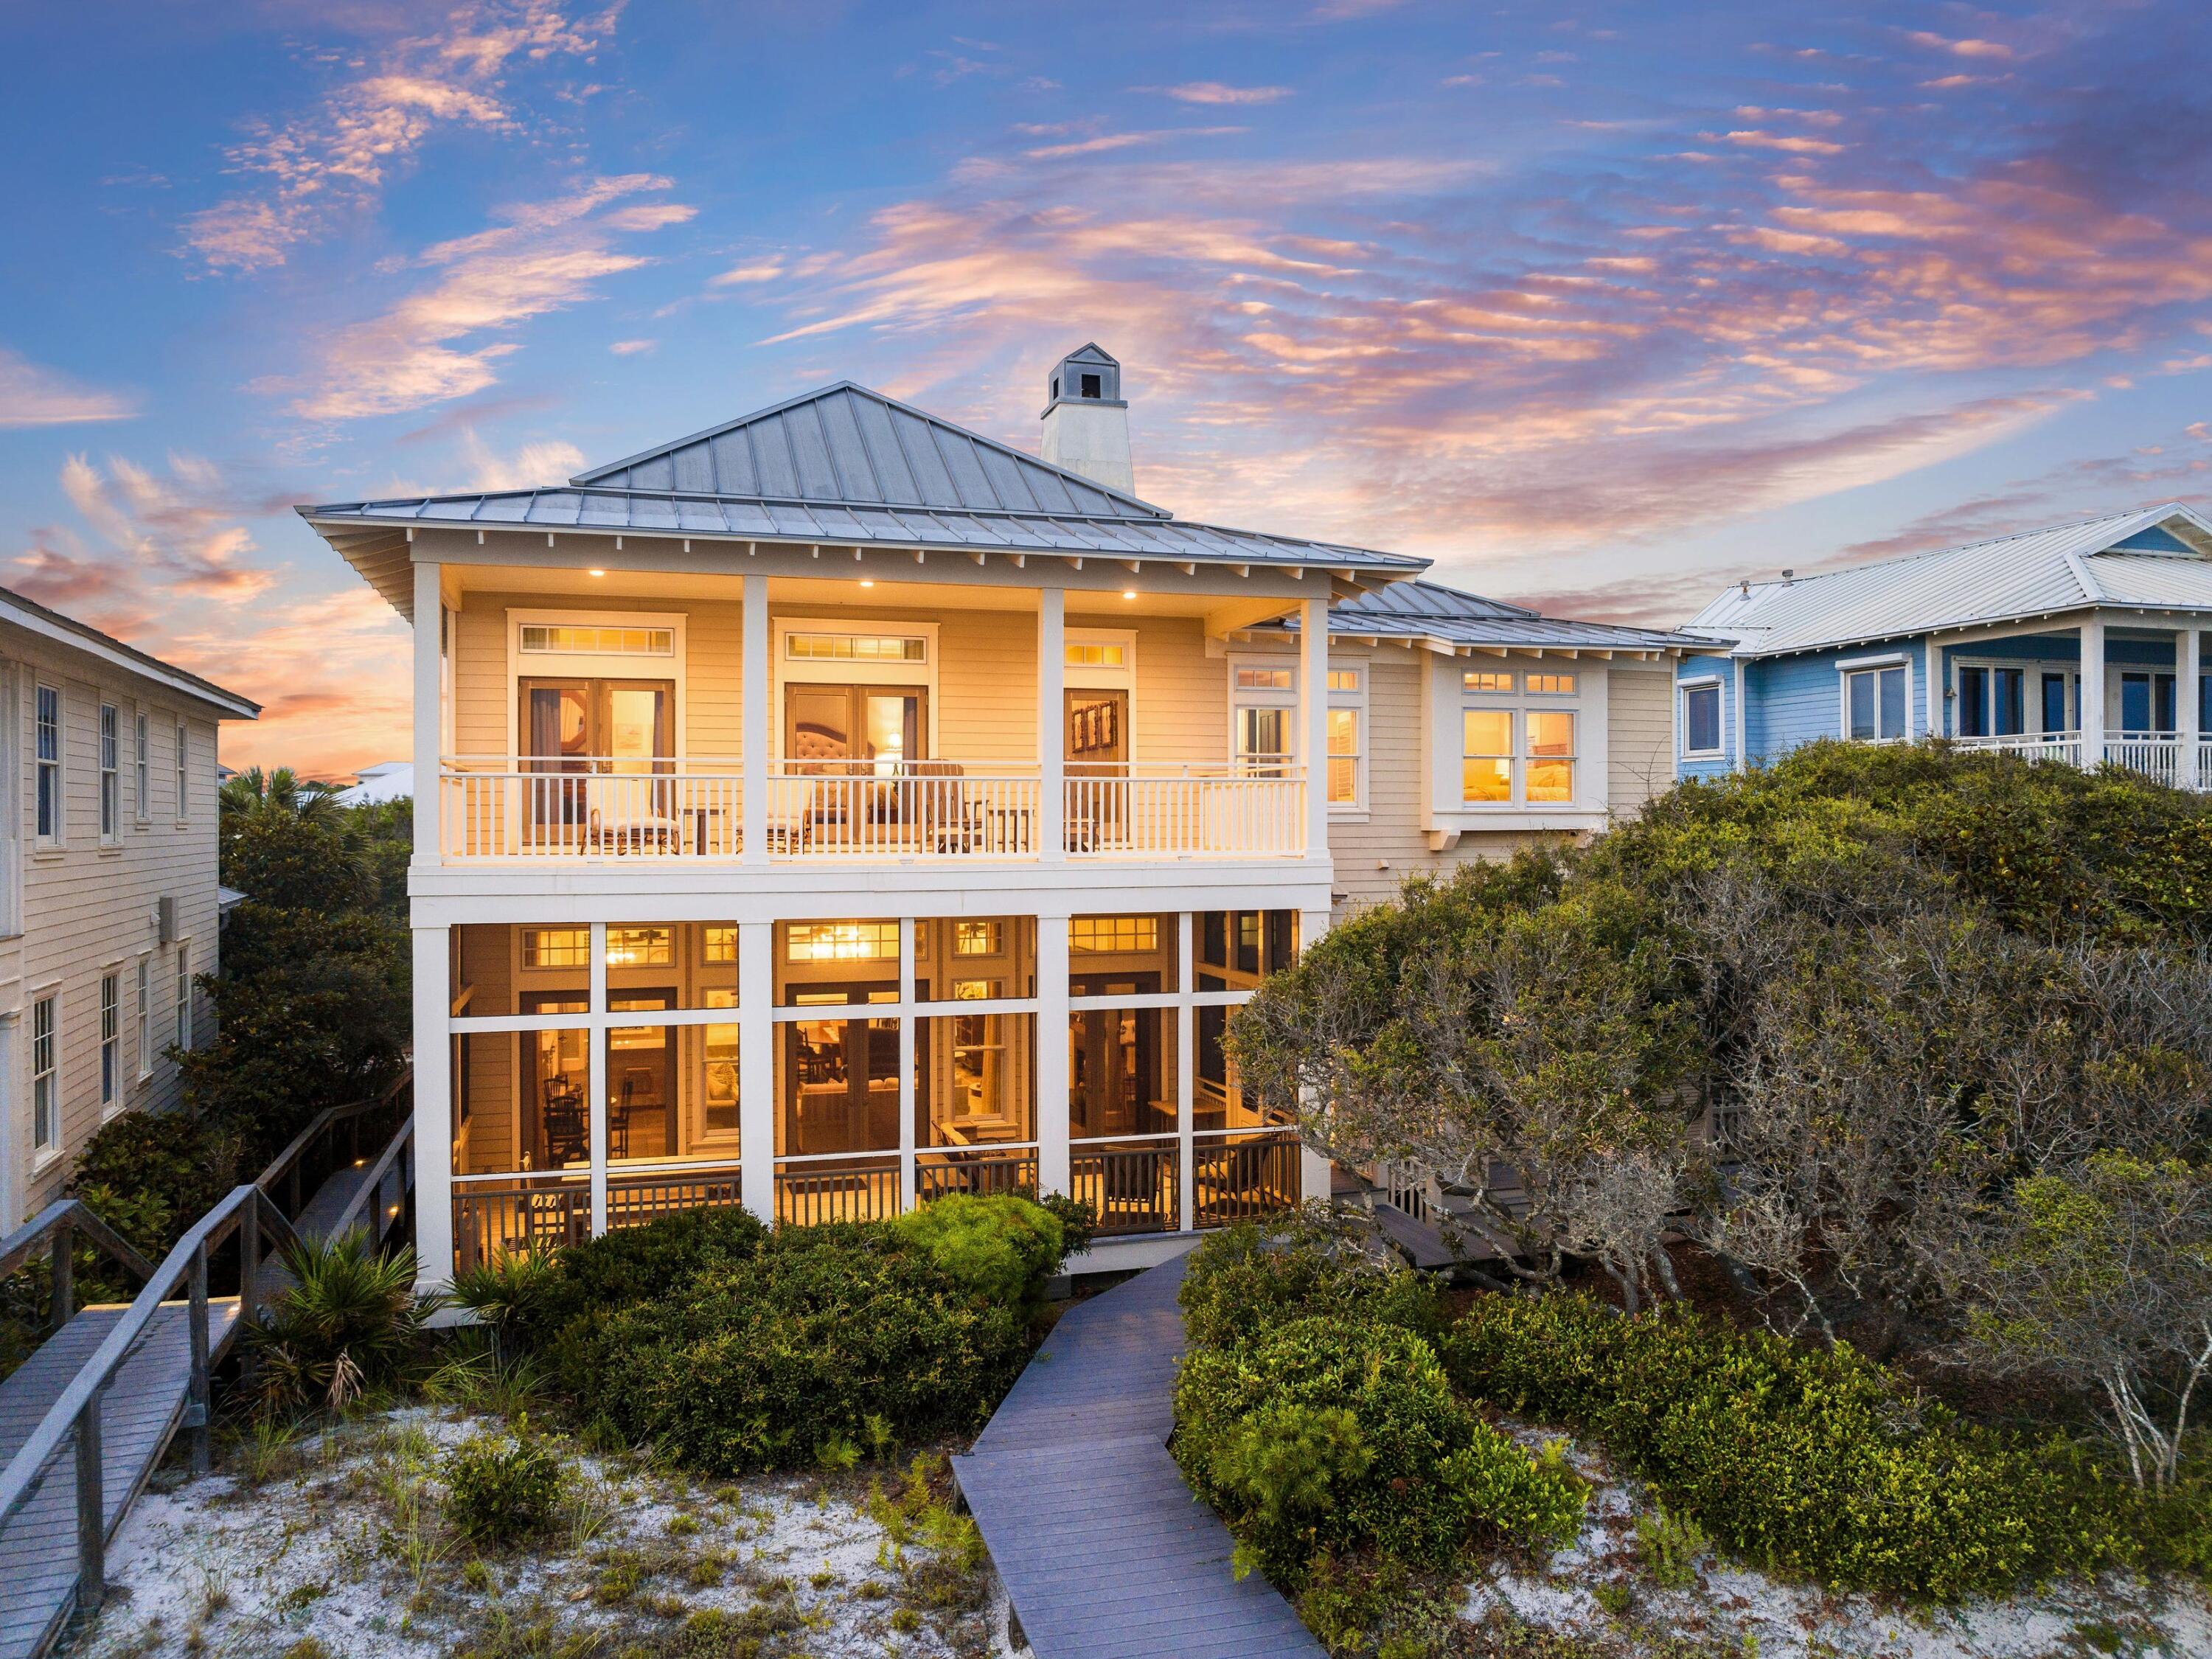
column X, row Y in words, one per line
column 1312, row 1413
column 1811, row 1461
column 733, row 1347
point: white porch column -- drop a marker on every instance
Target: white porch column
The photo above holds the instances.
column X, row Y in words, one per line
column 906, row 1048
column 1313, row 705
column 1186, row 1019
column 430, row 797
column 1051, row 748
column 2188, row 707
column 756, row 1066
column 595, row 1076
column 1052, row 1053
column 752, row 671
column 1932, row 689
column 1313, row 1168
column 434, row 1106
column 1742, row 726
column 2091, row 698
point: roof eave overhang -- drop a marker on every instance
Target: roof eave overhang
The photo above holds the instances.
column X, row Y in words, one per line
column 1971, row 624
column 206, row 693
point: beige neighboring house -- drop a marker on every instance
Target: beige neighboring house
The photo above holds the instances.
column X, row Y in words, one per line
column 838, row 808
column 109, row 905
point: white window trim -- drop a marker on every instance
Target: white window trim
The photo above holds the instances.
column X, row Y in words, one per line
column 1265, row 697
column 115, row 1103
column 1850, row 666
column 1516, row 706
column 141, row 766
column 108, row 814
column 595, row 665
column 1359, row 805
column 185, row 997
column 1091, row 676
column 59, row 837
column 1682, row 689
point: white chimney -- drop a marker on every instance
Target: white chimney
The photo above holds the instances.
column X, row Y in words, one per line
column 1086, row 421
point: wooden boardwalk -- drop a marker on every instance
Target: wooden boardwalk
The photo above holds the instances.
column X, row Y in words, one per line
column 1103, row 1552
column 139, row 1411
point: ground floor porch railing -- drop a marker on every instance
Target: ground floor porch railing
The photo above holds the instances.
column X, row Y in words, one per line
column 2157, row 754
column 1134, row 1185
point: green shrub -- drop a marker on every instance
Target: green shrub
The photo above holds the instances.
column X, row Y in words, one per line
column 777, row 1357
column 1327, row 1435
column 520, row 1298
column 1079, row 1222
column 637, row 1264
column 1250, row 1279
column 1000, row 1249
column 500, row 1488
column 1811, row 1462
column 151, row 1175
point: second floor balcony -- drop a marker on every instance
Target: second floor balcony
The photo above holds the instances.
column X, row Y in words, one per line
column 534, row 808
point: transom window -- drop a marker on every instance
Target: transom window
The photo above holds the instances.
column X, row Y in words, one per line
column 553, row 639
column 556, row 947
column 1483, row 679
column 1263, row 679
column 855, row 648
column 640, row 947
column 1551, row 685
column 1105, row 935
column 1344, row 679
column 1089, row 654
column 1874, row 703
column 842, row 941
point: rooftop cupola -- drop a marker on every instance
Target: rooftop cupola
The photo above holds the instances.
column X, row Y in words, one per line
column 1086, row 420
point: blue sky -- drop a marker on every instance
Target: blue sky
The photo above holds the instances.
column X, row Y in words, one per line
column 1599, row 306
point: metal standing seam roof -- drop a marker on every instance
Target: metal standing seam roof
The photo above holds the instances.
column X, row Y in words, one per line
column 1431, row 613
column 2035, row 573
column 40, row 619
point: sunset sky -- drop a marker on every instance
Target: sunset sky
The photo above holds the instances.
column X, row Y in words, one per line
column 1599, row 306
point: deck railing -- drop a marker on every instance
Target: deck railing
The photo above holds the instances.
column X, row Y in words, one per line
column 1242, row 1175
column 1131, row 1185
column 866, row 1188
column 2155, row 755
column 508, row 808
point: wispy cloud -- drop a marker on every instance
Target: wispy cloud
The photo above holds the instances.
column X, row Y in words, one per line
column 1108, row 141
column 1968, row 48
column 1218, row 92
column 545, row 256
column 532, row 466
column 33, row 396
column 314, row 166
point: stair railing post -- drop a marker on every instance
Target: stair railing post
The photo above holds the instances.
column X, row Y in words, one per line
column 91, row 1510
column 196, row 1401
column 249, row 1258
column 61, row 1304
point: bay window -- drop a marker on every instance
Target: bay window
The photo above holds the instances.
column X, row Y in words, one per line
column 1520, row 750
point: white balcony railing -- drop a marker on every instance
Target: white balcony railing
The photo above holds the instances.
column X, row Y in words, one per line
column 2065, row 746
column 501, row 808
column 1171, row 812
column 589, row 806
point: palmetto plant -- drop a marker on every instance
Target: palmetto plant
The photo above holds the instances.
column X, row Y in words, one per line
column 278, row 790
column 350, row 1321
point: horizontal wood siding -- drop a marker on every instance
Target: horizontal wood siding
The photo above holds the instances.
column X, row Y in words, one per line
column 1639, row 717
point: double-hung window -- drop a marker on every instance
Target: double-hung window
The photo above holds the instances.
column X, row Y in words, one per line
column 143, row 1034
column 46, row 1101
column 110, row 1040
column 1348, row 719
column 183, row 996
column 184, row 772
column 111, row 774
column 1486, row 756
column 46, row 721
column 1874, row 703
column 141, row 778
column 1701, row 720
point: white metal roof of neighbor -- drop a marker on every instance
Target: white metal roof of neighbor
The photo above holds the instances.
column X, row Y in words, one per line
column 851, row 467
column 1446, row 619
column 2036, row 573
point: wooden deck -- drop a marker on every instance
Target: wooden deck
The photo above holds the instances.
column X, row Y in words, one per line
column 1103, row 1549
column 139, row 1411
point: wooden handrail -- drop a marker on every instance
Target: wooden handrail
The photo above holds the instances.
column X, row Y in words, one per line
column 59, row 1221
column 246, row 1210
column 373, row 1182
column 286, row 1163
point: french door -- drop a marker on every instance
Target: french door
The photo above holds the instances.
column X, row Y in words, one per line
column 580, row 729
column 855, row 728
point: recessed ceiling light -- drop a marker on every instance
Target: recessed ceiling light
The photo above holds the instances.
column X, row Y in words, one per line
column 1129, row 592
column 867, row 581
column 598, row 573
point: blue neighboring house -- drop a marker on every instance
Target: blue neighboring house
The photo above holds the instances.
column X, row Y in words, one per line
column 2080, row 643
